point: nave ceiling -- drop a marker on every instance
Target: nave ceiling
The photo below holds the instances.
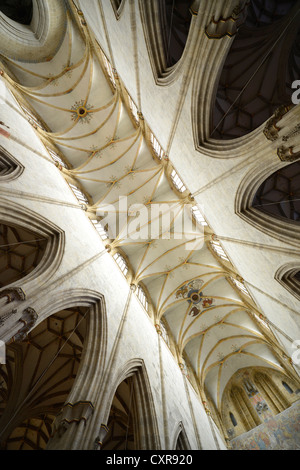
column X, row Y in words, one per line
column 101, row 144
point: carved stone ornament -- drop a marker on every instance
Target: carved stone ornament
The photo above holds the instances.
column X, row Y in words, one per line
column 293, row 133
column 29, row 318
column 206, row 409
column 62, row 428
column 250, row 388
column 71, row 413
column 271, row 129
column 100, row 438
column 286, row 154
column 261, row 407
column 12, row 294
column 221, row 27
column 194, row 7
column 184, row 369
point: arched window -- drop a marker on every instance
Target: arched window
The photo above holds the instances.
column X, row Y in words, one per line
column 121, row 263
column 216, row 246
column 133, row 108
column 232, row 418
column 108, row 67
column 240, row 285
column 48, row 362
column 279, row 195
column 158, row 150
column 142, row 297
column 178, row 183
column 18, row 10
column 32, row 118
column 80, row 196
column 259, row 69
column 100, row 229
column 164, row 333
column 56, row 158
column 198, row 216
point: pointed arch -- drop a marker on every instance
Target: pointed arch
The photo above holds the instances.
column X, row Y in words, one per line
column 10, row 168
column 48, row 379
column 167, row 26
column 118, row 6
column 180, row 440
column 22, row 225
column 18, row 10
column 278, row 227
column 289, row 277
column 95, row 352
column 21, row 253
column 247, row 94
column 40, row 373
column 230, row 110
column 279, row 194
column 40, row 39
column 133, row 407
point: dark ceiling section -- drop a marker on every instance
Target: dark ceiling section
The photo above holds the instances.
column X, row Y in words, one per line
column 6, row 167
column 17, row 10
column 38, row 376
column 279, row 195
column 265, row 12
column 293, row 72
column 297, row 276
column 175, row 24
column 20, row 253
column 260, row 67
column 121, row 420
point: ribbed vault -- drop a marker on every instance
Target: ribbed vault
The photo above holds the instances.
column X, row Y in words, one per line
column 279, row 194
column 20, row 253
column 103, row 150
column 38, row 377
column 259, row 69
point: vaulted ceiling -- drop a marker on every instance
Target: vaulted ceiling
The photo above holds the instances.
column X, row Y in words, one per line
column 37, row 378
column 80, row 111
column 259, row 69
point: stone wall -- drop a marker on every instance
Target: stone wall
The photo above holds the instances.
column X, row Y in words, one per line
column 214, row 176
column 85, row 267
